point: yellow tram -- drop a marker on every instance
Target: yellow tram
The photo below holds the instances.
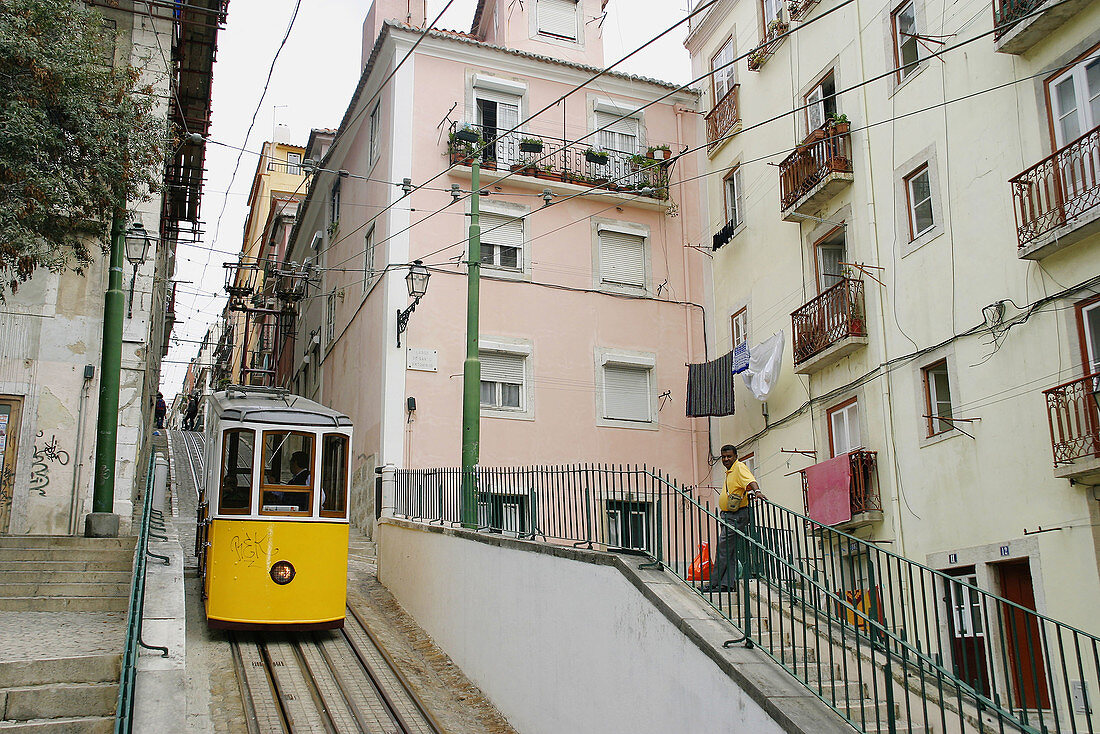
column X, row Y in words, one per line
column 273, row 512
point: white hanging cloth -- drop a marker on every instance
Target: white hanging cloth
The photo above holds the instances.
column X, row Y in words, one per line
column 765, row 359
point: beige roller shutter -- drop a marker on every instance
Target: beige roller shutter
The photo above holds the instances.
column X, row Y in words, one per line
column 501, row 367
column 622, row 258
column 558, row 18
column 497, row 229
column 626, row 393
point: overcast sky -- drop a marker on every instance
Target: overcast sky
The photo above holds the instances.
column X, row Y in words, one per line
column 314, row 77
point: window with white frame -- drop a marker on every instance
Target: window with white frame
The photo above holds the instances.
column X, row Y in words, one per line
column 502, row 512
column 722, row 68
column 557, row 18
column 821, row 102
column 739, row 325
column 620, row 135
column 628, row 524
column 503, row 376
column 294, row 163
column 622, row 258
column 773, row 10
column 918, row 192
column 501, row 241
column 497, row 113
column 734, row 205
column 844, row 428
column 334, row 204
column 375, row 132
column 1075, row 101
column 330, row 318
column 906, row 50
column 937, row 397
column 368, row 259
column 1089, row 318
column 749, row 460
column 627, row 392
column 831, row 252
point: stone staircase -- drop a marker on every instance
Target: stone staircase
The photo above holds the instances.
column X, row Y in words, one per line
column 63, row 603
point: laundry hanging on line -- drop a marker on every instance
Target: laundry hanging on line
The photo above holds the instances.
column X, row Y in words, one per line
column 710, row 387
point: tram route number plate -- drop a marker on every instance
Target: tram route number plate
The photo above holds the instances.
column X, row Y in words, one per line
column 425, row 360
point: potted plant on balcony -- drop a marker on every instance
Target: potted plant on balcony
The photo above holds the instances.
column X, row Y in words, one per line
column 757, row 59
column 660, row 152
column 547, row 172
column 467, row 133
column 839, row 125
column 777, row 27
column 530, row 145
column 596, row 155
column 639, row 161
column 463, row 148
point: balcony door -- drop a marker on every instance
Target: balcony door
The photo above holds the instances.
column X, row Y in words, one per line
column 844, row 428
column 497, row 113
column 966, row 620
column 1075, row 109
column 1088, row 322
column 830, row 252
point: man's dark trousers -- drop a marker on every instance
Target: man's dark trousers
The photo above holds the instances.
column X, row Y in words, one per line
column 723, row 574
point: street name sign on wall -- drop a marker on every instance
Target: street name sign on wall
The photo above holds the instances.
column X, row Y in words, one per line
column 425, row 360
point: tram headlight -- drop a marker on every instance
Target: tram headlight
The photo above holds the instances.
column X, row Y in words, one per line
column 282, row 572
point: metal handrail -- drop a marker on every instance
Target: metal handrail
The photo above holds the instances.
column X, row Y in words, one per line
column 878, row 618
column 124, row 710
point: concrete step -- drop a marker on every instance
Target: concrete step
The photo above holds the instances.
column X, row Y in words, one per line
column 51, row 587
column 868, row 710
column 65, row 604
column 66, row 541
column 89, row 725
column 86, row 555
column 66, row 577
column 82, row 669
column 59, row 700
column 900, row 727
column 72, row 566
column 842, row 690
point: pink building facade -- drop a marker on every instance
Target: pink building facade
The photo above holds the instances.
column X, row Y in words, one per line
column 591, row 306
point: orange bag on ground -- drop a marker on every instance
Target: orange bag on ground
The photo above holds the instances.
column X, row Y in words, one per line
column 700, row 567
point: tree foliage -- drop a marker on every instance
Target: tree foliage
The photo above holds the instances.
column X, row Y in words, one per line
column 79, row 137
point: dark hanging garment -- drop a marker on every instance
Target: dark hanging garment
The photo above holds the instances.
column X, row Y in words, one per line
column 710, row 388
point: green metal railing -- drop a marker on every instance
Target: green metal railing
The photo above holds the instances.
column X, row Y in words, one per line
column 124, row 711
column 888, row 643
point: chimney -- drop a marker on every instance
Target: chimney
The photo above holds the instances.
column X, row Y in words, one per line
column 409, row 12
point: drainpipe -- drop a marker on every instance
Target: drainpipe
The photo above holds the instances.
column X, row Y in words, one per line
column 78, row 451
column 101, row 522
column 687, row 289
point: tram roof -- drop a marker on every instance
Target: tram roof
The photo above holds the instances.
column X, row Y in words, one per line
column 267, row 406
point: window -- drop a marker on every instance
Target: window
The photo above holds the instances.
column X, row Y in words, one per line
column 844, row 428
column 627, row 524
column 723, row 67
column 235, row 496
column 501, row 241
column 773, row 10
column 1088, row 319
column 937, row 396
column 626, row 393
column 749, row 460
column 821, row 103
column 497, row 113
column 294, row 163
column 1075, row 101
column 740, row 327
column 831, row 252
column 622, row 258
column 918, row 192
column 334, row 475
column 287, row 472
column 734, row 205
column 621, row 134
column 502, row 512
column 557, row 18
column 368, row 259
column 906, row 51
column 502, row 380
column 330, row 318
column 334, row 204
column 375, row 132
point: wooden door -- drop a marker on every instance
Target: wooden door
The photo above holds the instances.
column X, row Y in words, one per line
column 1027, row 672
column 10, row 413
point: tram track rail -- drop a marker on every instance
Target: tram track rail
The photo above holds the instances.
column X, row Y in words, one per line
column 336, row 682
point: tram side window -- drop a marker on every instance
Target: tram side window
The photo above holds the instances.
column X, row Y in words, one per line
column 288, row 467
column 334, row 475
column 236, row 483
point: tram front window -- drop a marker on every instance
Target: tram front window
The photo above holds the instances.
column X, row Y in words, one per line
column 236, row 484
column 288, row 470
column 334, row 475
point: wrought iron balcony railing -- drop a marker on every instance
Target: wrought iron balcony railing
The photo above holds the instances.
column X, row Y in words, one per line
column 723, row 117
column 834, row 315
column 555, row 159
column 852, row 477
column 1058, row 188
column 282, row 167
column 1074, row 419
column 826, row 150
column 1007, row 11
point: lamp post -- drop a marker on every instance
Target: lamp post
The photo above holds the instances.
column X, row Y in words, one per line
column 471, row 368
column 137, row 248
column 417, row 281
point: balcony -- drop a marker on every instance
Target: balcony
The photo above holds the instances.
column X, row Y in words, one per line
column 528, row 156
column 724, row 118
column 773, row 39
column 843, row 491
column 284, row 167
column 1055, row 200
column 829, row 327
column 815, row 172
column 1021, row 36
column 1075, row 429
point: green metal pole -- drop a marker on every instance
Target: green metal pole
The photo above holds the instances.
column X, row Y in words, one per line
column 471, row 368
column 102, row 523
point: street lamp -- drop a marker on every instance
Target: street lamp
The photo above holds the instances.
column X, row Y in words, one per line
column 417, row 280
column 137, row 247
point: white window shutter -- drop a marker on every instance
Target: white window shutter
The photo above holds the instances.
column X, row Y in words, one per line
column 501, row 230
column 501, row 367
column 622, row 258
column 620, row 134
column 558, row 17
column 626, row 393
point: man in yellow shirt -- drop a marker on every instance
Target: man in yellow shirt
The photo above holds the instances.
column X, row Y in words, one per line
column 735, row 510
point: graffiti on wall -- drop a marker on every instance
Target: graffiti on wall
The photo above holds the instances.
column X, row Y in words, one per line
column 43, row 457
